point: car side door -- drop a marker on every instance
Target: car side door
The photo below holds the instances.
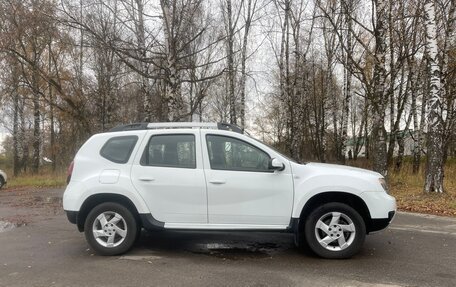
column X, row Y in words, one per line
column 168, row 174
column 242, row 188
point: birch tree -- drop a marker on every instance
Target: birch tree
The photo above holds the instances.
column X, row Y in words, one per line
column 231, row 20
column 434, row 164
column 379, row 100
column 250, row 10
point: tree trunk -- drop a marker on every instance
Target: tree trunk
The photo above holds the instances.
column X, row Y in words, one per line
column 434, row 164
column 36, row 121
column 16, row 111
column 145, row 84
column 242, row 83
column 347, row 81
column 378, row 97
column 51, row 112
column 173, row 97
column 230, row 61
column 401, row 144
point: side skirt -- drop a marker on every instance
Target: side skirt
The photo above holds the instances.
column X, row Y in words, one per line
column 150, row 223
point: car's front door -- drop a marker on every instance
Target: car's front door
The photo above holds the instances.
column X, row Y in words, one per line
column 169, row 176
column 242, row 189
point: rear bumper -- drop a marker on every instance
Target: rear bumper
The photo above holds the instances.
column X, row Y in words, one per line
column 381, row 223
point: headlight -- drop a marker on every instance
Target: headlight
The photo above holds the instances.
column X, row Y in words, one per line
column 384, row 184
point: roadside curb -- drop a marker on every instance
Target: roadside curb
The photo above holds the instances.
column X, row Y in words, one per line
column 425, row 215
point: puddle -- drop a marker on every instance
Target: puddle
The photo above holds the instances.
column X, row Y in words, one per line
column 139, row 257
column 238, row 251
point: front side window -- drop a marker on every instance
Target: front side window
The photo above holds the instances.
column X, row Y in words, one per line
column 118, row 149
column 170, row 151
column 227, row 153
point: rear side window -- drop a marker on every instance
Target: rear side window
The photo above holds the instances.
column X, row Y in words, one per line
column 170, row 151
column 118, row 149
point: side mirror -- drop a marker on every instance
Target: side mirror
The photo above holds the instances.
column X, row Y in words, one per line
column 276, row 164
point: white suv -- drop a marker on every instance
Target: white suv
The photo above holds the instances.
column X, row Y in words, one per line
column 209, row 176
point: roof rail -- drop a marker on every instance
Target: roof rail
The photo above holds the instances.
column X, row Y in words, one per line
column 129, row 127
column 229, row 127
column 171, row 125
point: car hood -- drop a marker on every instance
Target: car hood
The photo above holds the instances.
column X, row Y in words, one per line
column 337, row 168
column 312, row 169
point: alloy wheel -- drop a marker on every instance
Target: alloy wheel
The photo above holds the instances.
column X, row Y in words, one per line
column 335, row 231
column 109, row 229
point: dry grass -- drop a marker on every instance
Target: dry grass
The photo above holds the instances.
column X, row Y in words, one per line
column 41, row 180
column 408, row 190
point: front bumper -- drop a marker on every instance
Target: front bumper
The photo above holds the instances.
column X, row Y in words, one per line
column 381, row 223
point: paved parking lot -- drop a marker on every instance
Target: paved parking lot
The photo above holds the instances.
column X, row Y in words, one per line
column 43, row 249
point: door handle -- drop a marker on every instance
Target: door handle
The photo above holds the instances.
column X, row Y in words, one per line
column 146, row 179
column 217, row 181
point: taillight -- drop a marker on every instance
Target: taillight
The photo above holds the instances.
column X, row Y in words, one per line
column 70, row 171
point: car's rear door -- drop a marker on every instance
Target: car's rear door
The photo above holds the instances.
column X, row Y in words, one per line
column 168, row 174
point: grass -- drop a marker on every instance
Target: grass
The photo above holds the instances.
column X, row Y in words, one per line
column 404, row 185
column 408, row 190
column 41, row 180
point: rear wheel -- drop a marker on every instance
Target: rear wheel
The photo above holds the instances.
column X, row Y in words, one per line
column 2, row 181
column 335, row 230
column 111, row 229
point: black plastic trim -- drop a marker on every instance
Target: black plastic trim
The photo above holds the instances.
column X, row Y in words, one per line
column 229, row 127
column 150, row 223
column 143, row 126
column 130, row 127
column 72, row 216
column 294, row 225
column 381, row 223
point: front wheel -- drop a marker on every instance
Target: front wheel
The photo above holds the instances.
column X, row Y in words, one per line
column 335, row 230
column 110, row 229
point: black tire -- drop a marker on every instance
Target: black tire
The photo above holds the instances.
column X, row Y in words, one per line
column 348, row 217
column 2, row 182
column 128, row 223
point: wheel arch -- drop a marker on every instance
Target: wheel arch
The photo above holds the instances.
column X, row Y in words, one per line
column 96, row 199
column 352, row 200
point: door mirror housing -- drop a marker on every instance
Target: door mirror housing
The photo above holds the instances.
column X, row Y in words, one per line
column 276, row 164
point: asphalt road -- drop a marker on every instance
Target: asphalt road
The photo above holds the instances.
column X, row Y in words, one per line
column 46, row 250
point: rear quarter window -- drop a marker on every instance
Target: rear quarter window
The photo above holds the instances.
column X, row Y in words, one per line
column 119, row 149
